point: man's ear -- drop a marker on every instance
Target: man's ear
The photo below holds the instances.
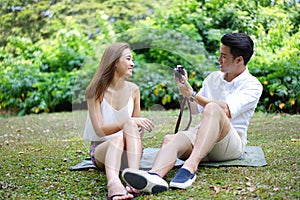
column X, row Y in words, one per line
column 240, row 60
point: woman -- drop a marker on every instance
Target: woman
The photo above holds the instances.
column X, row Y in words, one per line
column 113, row 124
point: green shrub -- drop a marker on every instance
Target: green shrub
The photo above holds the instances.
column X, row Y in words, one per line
column 67, row 51
column 51, row 50
column 156, row 84
column 277, row 60
column 274, row 29
column 25, row 89
column 27, row 86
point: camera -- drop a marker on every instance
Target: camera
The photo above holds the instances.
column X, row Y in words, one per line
column 179, row 72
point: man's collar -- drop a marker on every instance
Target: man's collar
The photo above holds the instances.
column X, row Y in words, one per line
column 240, row 77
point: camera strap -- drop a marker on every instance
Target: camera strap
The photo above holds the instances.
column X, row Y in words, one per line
column 184, row 101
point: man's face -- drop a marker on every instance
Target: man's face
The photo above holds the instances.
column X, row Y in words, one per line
column 227, row 62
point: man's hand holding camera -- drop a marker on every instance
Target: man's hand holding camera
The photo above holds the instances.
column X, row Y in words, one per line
column 181, row 79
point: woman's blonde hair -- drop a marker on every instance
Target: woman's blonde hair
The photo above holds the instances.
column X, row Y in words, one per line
column 106, row 71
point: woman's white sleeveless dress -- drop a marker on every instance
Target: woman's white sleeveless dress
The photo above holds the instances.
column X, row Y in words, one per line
column 110, row 115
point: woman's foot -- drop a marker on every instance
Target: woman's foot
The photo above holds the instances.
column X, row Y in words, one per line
column 133, row 191
column 116, row 191
column 118, row 197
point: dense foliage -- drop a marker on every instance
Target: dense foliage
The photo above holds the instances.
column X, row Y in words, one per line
column 49, row 50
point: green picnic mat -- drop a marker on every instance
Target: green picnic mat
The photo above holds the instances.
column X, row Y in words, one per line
column 253, row 156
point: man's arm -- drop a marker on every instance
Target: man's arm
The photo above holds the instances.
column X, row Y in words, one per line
column 186, row 90
column 194, row 108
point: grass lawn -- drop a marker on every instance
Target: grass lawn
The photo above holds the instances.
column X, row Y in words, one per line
column 36, row 152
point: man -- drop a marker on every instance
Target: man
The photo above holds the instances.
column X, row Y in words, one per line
column 227, row 101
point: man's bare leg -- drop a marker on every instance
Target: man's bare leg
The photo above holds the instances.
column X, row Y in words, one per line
column 214, row 127
column 152, row 180
column 173, row 146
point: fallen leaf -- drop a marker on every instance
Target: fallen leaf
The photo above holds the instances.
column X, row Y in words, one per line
column 37, row 150
column 78, row 151
column 287, row 187
column 242, row 191
column 251, row 189
column 225, row 187
column 216, row 189
column 277, row 117
column 4, row 185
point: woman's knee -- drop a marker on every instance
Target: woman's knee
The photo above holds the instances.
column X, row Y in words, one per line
column 117, row 141
column 129, row 124
column 130, row 128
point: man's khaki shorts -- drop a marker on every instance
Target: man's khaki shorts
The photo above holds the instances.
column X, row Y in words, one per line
column 229, row 148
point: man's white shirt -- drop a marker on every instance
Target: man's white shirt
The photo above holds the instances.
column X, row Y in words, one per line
column 241, row 95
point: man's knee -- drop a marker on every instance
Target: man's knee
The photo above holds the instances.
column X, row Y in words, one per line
column 212, row 106
column 212, row 109
column 167, row 139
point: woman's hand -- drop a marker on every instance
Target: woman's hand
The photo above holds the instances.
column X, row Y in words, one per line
column 141, row 131
column 145, row 123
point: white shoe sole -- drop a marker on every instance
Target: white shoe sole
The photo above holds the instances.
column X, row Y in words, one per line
column 183, row 185
column 143, row 181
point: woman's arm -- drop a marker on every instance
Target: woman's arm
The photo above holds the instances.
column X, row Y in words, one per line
column 140, row 121
column 137, row 102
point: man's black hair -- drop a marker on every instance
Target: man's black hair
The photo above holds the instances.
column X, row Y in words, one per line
column 240, row 45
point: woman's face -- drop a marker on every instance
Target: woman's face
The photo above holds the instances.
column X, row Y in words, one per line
column 124, row 66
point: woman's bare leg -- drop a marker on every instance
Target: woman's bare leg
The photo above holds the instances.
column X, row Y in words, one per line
column 109, row 153
column 133, row 144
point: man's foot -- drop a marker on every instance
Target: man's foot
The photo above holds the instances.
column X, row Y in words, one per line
column 183, row 179
column 144, row 181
